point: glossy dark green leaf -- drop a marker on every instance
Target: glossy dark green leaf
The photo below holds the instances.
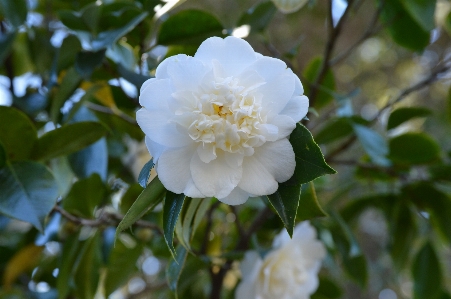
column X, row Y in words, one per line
column 68, row 52
column 309, row 206
column 437, row 203
column 15, row 11
column 373, row 143
column 28, row 192
column 440, row 172
column 17, row 133
column 310, row 162
column 106, row 38
column 67, row 87
column 84, row 196
column 67, row 139
column 422, row 11
column 122, row 265
column 402, row 115
column 6, row 43
column 414, row 148
column 175, row 268
column 190, row 27
column 355, row 207
column 286, row 201
column 327, row 289
column 258, row 16
column 173, row 205
column 146, row 201
column 144, row 174
column 87, row 61
column 427, row 274
column 403, row 28
column 448, row 104
column 87, row 268
column 327, row 86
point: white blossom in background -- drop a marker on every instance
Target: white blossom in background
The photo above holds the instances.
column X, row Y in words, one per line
column 289, row 271
column 217, row 124
column 289, row 6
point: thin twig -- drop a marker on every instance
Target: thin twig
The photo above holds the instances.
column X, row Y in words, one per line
column 370, row 30
column 106, row 219
column 106, row 110
column 334, row 33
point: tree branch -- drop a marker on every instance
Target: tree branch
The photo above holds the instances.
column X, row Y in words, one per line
column 105, row 219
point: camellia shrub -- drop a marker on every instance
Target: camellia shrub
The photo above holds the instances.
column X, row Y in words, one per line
column 243, row 149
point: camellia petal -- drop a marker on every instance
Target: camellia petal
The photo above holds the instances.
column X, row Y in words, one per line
column 234, row 54
column 281, row 168
column 296, row 108
column 217, row 123
column 216, row 178
column 236, row 197
column 175, row 159
column 256, row 178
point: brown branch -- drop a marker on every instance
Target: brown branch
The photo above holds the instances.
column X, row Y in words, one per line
column 105, row 219
column 370, row 30
column 334, row 33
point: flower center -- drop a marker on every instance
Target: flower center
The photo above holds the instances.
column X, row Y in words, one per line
column 228, row 116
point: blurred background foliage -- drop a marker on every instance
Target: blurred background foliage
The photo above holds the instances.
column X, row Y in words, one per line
column 376, row 73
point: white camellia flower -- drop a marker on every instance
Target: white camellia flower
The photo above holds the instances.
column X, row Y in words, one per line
column 217, row 123
column 290, row 271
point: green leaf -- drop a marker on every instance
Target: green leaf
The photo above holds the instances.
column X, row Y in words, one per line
column 2, row 156
column 427, row 274
column 17, row 133
column 72, row 20
column 69, row 84
column 87, row 268
column 286, row 201
column 6, row 43
column 132, row 77
column 373, row 144
column 356, row 268
column 144, row 174
column 449, row 99
column 437, row 203
column 327, row 86
column 68, row 52
column 69, row 253
column 309, row 206
column 183, row 229
column 403, row 28
column 355, row 207
column 173, row 205
column 258, row 16
column 403, row 228
column 146, row 201
column 175, row 268
column 414, row 148
column 338, row 128
column 15, row 11
column 28, row 192
column 87, row 61
column 327, row 289
column 422, row 11
column 190, row 27
column 85, row 195
column 107, row 38
column 402, row 115
column 310, row 162
column 67, row 139
column 122, row 265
